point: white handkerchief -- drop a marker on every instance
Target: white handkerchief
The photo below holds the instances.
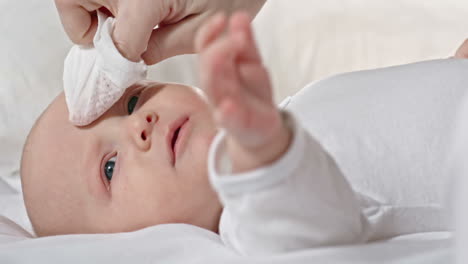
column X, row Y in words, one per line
column 95, row 77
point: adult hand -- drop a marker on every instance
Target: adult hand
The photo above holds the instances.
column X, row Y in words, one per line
column 134, row 33
column 462, row 52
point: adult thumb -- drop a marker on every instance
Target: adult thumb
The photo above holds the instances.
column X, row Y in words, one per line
column 462, row 52
column 132, row 30
column 171, row 40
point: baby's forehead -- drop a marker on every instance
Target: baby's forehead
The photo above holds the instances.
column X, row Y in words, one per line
column 51, row 165
column 56, row 138
column 56, row 112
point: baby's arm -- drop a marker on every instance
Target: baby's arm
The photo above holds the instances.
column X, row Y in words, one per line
column 281, row 191
column 239, row 89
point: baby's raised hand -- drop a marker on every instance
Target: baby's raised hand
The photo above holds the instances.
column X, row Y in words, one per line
column 239, row 89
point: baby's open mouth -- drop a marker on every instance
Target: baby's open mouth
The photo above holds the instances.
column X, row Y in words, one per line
column 173, row 136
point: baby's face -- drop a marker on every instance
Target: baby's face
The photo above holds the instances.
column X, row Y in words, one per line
column 144, row 162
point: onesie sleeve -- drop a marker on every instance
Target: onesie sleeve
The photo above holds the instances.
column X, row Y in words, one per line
column 300, row 201
column 95, row 77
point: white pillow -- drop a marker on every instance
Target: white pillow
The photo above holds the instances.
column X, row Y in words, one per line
column 31, row 51
column 306, row 40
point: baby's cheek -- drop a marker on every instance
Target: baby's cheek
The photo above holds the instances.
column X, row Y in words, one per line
column 203, row 142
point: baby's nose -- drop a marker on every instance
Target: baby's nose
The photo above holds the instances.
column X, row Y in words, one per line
column 141, row 128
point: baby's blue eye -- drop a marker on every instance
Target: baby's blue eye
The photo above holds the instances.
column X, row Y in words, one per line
column 131, row 104
column 109, row 168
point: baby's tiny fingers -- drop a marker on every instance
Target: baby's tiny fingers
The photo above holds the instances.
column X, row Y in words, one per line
column 240, row 26
column 248, row 124
column 218, row 74
column 255, row 78
column 210, row 31
column 231, row 117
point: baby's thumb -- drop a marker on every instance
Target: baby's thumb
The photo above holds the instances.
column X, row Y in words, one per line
column 172, row 40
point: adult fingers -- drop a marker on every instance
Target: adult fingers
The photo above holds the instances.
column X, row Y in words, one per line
column 462, row 52
column 173, row 39
column 78, row 20
column 134, row 24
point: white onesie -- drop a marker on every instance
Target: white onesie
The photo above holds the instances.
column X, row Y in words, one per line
column 300, row 201
column 96, row 77
column 368, row 161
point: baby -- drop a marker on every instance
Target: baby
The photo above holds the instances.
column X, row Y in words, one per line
column 142, row 163
column 226, row 160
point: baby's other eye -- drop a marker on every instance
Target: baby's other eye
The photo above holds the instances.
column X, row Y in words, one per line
column 109, row 168
column 131, row 104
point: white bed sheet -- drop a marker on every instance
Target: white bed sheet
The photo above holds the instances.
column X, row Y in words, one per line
column 12, row 205
column 179, row 243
